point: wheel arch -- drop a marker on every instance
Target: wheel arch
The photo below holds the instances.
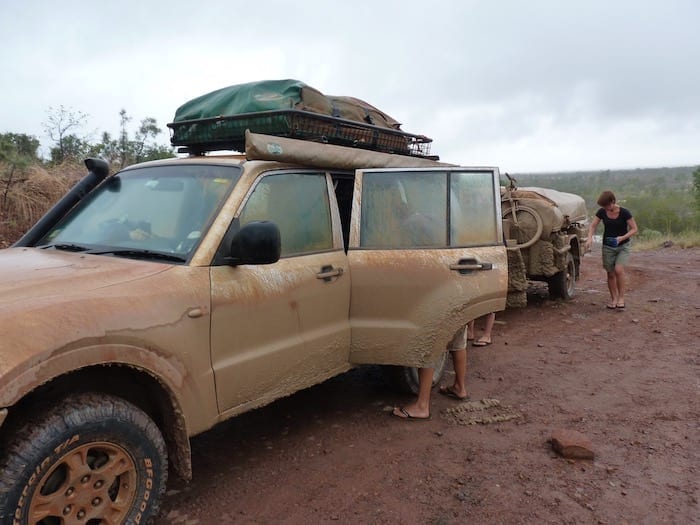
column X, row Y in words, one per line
column 450, row 323
column 575, row 249
column 128, row 382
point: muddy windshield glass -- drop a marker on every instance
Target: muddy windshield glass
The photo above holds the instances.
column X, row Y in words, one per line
column 165, row 209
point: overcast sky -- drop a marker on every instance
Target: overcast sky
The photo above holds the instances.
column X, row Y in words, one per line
column 536, row 85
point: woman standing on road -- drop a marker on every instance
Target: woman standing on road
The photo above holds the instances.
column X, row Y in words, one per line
column 619, row 227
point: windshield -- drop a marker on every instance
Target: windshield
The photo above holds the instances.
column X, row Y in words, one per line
column 163, row 209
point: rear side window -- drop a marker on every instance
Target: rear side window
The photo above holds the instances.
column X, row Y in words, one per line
column 474, row 218
column 298, row 203
column 428, row 209
column 403, row 210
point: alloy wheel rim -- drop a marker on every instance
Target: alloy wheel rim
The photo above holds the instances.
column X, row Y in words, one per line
column 94, row 483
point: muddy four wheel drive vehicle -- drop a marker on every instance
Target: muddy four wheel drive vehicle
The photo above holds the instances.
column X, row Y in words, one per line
column 546, row 232
column 151, row 304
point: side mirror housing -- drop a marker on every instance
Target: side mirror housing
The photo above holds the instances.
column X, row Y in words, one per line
column 258, row 242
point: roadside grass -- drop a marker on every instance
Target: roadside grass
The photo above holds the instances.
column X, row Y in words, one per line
column 652, row 240
column 28, row 193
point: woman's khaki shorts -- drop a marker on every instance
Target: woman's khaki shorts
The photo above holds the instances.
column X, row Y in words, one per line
column 614, row 256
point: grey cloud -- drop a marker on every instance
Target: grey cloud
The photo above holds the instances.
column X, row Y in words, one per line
column 502, row 73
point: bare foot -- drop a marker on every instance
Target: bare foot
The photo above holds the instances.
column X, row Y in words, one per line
column 410, row 412
column 451, row 391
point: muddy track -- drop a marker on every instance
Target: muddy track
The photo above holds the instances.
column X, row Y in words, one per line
column 627, row 379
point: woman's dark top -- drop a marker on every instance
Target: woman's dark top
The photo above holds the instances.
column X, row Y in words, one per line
column 615, row 227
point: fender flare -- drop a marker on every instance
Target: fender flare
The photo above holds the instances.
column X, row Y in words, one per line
column 166, row 371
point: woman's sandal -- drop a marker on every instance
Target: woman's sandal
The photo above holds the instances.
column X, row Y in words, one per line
column 406, row 416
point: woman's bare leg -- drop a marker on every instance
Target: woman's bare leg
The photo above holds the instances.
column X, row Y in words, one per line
column 620, row 283
column 459, row 363
column 421, row 407
column 613, row 287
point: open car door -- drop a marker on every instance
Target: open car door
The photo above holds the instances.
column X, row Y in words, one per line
column 426, row 255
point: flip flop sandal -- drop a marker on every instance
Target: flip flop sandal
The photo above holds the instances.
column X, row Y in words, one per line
column 408, row 417
column 448, row 392
column 481, row 343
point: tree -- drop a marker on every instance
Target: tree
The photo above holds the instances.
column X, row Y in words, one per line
column 124, row 143
column 141, row 147
column 124, row 150
column 158, row 151
column 120, row 151
column 107, row 148
column 17, row 151
column 696, row 188
column 148, row 129
column 72, row 147
column 18, row 144
column 58, row 126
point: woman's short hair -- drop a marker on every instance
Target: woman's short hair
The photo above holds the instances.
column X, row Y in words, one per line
column 607, row 197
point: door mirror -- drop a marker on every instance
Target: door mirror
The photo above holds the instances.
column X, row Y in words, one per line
column 258, row 242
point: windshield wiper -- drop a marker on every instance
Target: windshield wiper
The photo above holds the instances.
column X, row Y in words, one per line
column 140, row 254
column 66, row 246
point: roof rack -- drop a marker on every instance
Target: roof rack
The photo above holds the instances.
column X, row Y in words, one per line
column 198, row 136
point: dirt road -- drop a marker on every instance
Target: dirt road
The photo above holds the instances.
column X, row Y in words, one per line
column 627, row 379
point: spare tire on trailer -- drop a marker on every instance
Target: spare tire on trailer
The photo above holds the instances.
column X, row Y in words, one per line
column 526, row 225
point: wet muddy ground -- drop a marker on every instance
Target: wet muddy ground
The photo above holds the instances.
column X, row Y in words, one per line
column 629, row 380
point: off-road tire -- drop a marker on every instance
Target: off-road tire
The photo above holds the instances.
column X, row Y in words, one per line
column 404, row 379
column 89, row 459
column 562, row 285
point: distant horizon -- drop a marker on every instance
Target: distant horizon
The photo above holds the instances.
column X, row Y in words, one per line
column 561, row 172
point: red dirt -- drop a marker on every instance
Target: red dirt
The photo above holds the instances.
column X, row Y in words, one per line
column 627, row 379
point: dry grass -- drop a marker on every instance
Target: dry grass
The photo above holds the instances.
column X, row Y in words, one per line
column 687, row 239
column 30, row 194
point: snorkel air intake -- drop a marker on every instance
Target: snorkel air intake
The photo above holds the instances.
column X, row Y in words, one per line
column 98, row 170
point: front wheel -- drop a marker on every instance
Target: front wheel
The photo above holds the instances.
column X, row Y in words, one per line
column 405, row 378
column 91, row 459
column 562, row 285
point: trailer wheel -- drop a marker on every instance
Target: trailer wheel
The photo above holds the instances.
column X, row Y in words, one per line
column 91, row 459
column 562, row 285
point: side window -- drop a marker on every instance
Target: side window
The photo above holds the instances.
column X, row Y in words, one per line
column 473, row 216
column 428, row 209
column 404, row 210
column 298, row 204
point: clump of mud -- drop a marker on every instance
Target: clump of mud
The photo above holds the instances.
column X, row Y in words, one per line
column 481, row 412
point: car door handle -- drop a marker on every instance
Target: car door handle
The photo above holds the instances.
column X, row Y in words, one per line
column 328, row 272
column 470, row 264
